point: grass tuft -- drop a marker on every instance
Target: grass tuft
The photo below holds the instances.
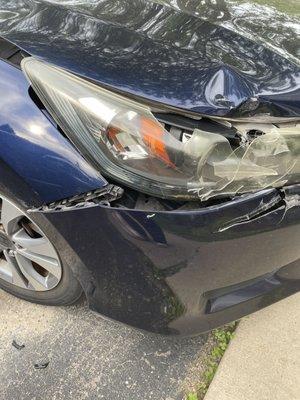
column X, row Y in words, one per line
column 221, row 338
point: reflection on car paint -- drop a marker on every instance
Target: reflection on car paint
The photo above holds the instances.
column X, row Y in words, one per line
column 35, row 149
column 167, row 55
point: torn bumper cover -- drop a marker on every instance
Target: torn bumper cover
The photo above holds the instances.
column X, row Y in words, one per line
column 184, row 272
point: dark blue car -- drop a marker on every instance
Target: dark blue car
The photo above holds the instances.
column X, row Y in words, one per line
column 149, row 159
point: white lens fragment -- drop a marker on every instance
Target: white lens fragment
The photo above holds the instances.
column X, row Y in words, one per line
column 126, row 142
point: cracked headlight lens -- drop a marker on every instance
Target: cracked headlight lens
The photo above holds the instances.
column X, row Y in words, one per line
column 123, row 139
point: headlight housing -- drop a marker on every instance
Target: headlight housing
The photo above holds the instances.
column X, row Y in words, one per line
column 126, row 142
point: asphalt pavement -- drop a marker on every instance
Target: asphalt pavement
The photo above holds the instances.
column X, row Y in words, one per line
column 89, row 357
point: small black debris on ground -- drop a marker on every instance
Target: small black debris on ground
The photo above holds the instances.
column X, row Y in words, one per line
column 18, row 346
column 41, row 365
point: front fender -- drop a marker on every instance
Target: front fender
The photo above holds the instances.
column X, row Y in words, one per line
column 32, row 149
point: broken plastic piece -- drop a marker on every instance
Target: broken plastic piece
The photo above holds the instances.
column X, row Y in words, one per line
column 18, row 346
column 41, row 365
column 268, row 157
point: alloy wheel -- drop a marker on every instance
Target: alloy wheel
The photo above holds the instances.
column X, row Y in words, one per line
column 27, row 257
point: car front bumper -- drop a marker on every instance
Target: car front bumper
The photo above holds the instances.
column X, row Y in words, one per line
column 184, row 272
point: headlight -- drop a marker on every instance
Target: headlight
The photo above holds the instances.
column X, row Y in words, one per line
column 125, row 141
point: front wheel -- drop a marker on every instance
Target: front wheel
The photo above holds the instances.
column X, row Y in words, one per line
column 30, row 267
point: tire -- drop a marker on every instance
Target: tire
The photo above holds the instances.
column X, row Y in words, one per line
column 20, row 273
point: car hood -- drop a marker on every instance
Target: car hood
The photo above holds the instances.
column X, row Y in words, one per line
column 229, row 60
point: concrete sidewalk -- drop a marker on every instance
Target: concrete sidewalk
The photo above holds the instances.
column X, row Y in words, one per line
column 263, row 360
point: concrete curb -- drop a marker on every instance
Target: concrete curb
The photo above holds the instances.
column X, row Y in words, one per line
column 262, row 362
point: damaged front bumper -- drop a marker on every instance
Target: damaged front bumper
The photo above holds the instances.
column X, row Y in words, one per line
column 183, row 272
